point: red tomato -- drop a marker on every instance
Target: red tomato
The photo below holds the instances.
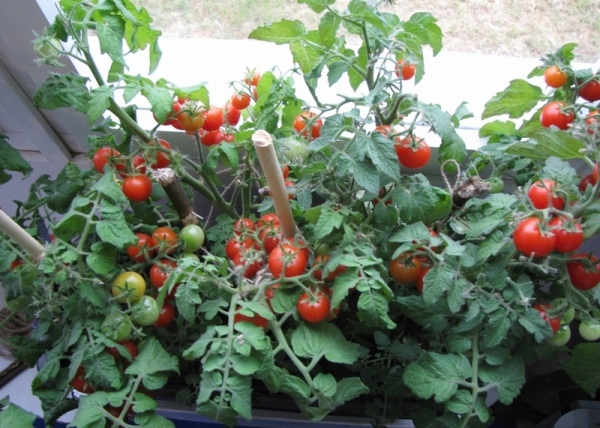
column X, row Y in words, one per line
column 405, row 269
column 163, row 159
column 79, row 382
column 581, row 276
column 141, row 251
column 531, row 240
column 569, row 234
column 252, row 78
column 212, row 138
column 314, row 307
column 249, row 261
column 190, row 116
column 105, row 155
column 285, row 170
column 555, row 77
column 166, row 316
column 554, row 322
column 137, row 188
column 552, row 115
column 165, row 240
column 405, row 70
column 420, row 281
column 240, row 100
column 413, row 154
column 243, row 226
column 257, row 320
column 269, row 219
column 159, row 272
column 232, row 115
column 270, row 236
column 586, row 181
column 137, row 166
column 287, row 260
column 590, row 91
column 214, row 118
column 308, row 121
column 270, row 293
column 236, row 244
column 542, row 192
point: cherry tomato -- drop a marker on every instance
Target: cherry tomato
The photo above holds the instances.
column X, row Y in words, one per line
column 192, row 236
column 589, row 330
column 191, row 117
column 531, row 240
column 569, row 234
column 163, row 159
column 165, row 240
column 79, row 382
column 105, row 155
column 252, row 78
column 238, row 243
column 214, row 118
column 543, row 308
column 145, row 312
column 128, row 286
column 314, row 307
column 561, row 337
column 405, row 70
column 243, row 226
column 166, row 315
column 287, row 260
column 542, row 192
column 248, row 260
column 555, row 77
column 141, row 251
column 116, row 327
column 137, row 188
column 257, row 320
column 285, row 171
column 405, row 269
column 132, row 350
column 270, row 236
column 553, row 115
column 240, row 100
column 308, row 121
column 232, row 115
column 582, row 277
column 159, row 272
column 586, row 181
column 269, row 219
column 136, row 166
column 420, row 281
column 212, row 138
column 413, row 154
column 590, row 91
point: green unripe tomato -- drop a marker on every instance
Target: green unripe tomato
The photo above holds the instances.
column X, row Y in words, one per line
column 496, row 185
column 294, row 149
column 567, row 312
column 116, row 327
column 561, row 337
column 145, row 312
column 192, row 236
column 589, row 330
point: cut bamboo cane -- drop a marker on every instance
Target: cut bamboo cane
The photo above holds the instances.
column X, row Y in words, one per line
column 263, row 143
column 21, row 237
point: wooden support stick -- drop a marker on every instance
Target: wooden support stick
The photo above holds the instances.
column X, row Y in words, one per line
column 263, row 143
column 21, row 237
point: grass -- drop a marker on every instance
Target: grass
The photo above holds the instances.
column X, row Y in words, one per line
column 520, row 28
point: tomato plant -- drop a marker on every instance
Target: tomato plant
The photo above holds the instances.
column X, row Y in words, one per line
column 330, row 274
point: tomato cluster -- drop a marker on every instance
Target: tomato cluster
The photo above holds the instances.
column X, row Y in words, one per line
column 412, row 152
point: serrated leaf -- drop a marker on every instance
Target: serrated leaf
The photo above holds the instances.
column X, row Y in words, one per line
column 14, row 416
column 381, row 151
column 452, row 146
column 516, row 100
column 98, row 103
column 548, row 142
column 436, row 375
column 154, row 364
column 583, row 366
column 282, row 32
column 11, row 160
column 373, row 308
column 325, row 383
column 317, row 6
column 508, row 377
column 323, row 339
column 438, row 280
column 498, row 127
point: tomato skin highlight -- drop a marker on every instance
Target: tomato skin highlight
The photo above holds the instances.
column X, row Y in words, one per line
column 531, row 240
column 137, row 188
column 313, row 309
column 552, row 115
column 581, row 277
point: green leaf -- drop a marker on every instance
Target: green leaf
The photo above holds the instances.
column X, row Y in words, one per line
column 103, row 259
column 68, row 90
column 509, row 377
column 348, row 389
column 422, row 203
column 438, row 280
column 317, row 6
column 323, row 339
column 381, row 151
column 305, row 55
column 437, row 375
column 366, row 176
column 498, row 127
column 11, row 160
column 280, row 33
column 110, row 35
column 103, row 372
column 13, row 416
column 453, row 146
column 373, row 309
column 93, row 293
column 153, row 363
column 328, row 27
column 152, row 420
column 546, row 142
column 329, row 220
column 115, row 233
column 98, row 103
column 325, row 383
column 584, row 366
column 516, row 100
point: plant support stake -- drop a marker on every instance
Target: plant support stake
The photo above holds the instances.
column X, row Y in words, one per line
column 21, row 237
column 263, row 143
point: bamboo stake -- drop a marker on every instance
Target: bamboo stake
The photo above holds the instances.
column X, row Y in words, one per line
column 21, row 237
column 263, row 143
